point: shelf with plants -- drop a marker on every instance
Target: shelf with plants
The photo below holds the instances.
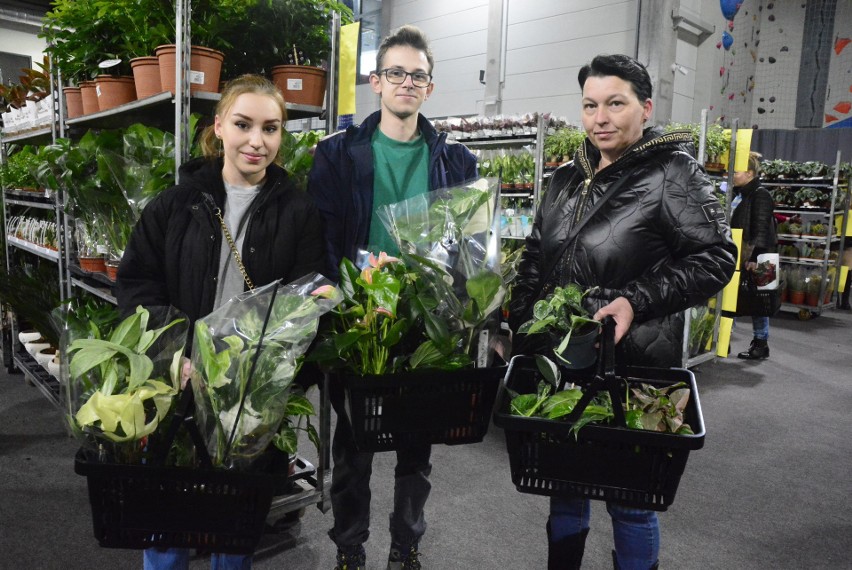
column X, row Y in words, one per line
column 810, row 245
column 511, row 149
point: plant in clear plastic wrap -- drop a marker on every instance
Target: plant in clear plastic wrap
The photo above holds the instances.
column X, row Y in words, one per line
column 245, row 356
column 433, row 308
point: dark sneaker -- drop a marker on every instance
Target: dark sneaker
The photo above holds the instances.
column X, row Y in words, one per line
column 354, row 558
column 758, row 350
column 404, row 558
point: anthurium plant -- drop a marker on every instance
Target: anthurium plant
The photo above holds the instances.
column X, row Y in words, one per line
column 121, row 383
column 434, row 306
column 245, row 356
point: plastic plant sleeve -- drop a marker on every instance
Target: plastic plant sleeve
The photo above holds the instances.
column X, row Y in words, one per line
column 450, row 238
column 245, row 355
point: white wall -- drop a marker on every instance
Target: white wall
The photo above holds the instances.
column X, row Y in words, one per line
column 21, row 43
column 547, row 43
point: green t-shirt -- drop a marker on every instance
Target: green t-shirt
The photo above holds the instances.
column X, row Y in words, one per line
column 401, row 171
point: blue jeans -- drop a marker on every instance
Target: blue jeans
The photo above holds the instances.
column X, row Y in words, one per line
column 350, row 487
column 178, row 559
column 636, row 532
column 760, row 326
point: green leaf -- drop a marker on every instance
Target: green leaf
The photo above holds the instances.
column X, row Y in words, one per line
column 561, row 403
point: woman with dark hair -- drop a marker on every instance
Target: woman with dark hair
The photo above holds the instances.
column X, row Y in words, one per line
column 753, row 212
column 654, row 240
column 234, row 221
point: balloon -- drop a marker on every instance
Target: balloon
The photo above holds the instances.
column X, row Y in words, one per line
column 730, row 8
column 727, row 40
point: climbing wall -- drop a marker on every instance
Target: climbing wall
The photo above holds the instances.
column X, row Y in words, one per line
column 784, row 64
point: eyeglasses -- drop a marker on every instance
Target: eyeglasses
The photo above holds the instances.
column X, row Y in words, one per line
column 397, row 77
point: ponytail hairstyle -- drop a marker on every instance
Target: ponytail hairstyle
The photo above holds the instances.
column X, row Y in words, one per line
column 211, row 146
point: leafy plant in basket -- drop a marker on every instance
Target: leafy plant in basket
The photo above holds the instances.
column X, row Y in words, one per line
column 122, row 382
column 245, row 356
column 560, row 315
column 646, row 407
column 449, row 238
column 428, row 309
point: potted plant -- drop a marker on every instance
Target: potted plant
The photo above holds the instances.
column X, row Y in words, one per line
column 560, row 315
column 716, row 144
column 245, row 356
column 813, row 289
column 290, row 43
column 81, row 36
column 416, row 331
column 808, row 197
column 796, row 286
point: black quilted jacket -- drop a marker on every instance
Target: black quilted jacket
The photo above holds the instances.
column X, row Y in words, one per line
column 755, row 215
column 173, row 253
column 661, row 241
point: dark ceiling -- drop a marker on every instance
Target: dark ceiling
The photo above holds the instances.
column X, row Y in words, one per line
column 38, row 7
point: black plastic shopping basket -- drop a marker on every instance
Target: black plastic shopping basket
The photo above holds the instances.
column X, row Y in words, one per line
column 605, row 462
column 395, row 411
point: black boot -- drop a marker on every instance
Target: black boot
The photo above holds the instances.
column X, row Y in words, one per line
column 617, row 567
column 758, row 350
column 566, row 553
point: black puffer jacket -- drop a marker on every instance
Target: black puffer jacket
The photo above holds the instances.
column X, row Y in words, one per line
column 755, row 215
column 661, row 241
column 173, row 253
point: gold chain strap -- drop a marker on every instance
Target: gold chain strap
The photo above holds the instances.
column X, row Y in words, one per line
column 233, row 246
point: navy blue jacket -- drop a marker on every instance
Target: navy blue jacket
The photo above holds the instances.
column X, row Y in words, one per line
column 341, row 182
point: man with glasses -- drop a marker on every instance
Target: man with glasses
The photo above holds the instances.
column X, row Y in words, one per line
column 395, row 154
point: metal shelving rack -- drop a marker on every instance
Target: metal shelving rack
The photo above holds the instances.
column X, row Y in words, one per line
column 688, row 361
column 808, row 311
column 18, row 357
column 520, row 141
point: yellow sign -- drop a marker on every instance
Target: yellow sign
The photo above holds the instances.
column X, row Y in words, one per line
column 349, row 35
column 737, row 237
column 724, row 344
column 743, row 148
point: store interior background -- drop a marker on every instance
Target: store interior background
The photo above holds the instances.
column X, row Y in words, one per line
column 789, row 65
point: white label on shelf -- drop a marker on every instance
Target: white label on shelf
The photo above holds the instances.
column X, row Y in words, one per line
column 196, row 77
column 98, row 90
column 102, row 249
column 294, row 85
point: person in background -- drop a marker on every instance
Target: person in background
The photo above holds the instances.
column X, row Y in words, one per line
column 657, row 244
column 753, row 212
column 394, row 155
column 234, row 217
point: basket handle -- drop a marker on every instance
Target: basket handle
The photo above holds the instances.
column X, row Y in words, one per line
column 605, row 380
column 183, row 416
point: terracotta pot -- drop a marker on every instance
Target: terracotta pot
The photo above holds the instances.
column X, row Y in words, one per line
column 73, row 102
column 812, row 299
column 146, row 76
column 114, row 91
column 93, row 264
column 205, row 66
column 90, row 97
column 785, row 295
column 300, row 84
column 797, row 297
column 112, row 270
